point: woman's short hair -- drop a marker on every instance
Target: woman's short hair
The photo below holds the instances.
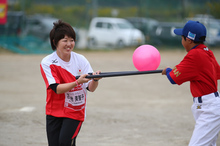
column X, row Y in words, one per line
column 60, row 29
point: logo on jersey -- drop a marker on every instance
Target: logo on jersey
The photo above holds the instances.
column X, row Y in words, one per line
column 191, row 35
column 54, row 61
column 199, row 107
column 80, row 72
column 206, row 49
column 176, row 72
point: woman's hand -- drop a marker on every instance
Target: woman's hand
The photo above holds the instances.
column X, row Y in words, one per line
column 83, row 79
column 96, row 73
column 94, row 83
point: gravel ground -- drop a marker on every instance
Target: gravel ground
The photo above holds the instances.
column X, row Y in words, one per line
column 124, row 111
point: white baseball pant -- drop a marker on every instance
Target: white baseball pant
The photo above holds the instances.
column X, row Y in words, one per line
column 206, row 111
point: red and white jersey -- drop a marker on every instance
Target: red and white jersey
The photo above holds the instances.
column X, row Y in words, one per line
column 199, row 67
column 54, row 70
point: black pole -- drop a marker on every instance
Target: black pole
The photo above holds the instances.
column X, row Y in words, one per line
column 123, row 73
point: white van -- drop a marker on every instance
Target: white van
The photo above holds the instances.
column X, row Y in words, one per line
column 113, row 32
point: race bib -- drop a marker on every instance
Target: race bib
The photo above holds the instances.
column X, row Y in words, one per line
column 75, row 100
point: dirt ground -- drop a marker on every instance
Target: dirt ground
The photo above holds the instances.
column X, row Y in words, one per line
column 142, row 110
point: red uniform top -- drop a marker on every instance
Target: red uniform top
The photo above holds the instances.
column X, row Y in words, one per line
column 199, row 67
column 71, row 104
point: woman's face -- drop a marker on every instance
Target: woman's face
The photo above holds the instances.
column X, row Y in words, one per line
column 65, row 46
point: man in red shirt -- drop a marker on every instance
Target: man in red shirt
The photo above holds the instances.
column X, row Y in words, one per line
column 199, row 67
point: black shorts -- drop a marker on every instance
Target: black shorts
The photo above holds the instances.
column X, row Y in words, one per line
column 62, row 131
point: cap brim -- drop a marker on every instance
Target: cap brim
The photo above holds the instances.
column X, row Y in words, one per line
column 178, row 31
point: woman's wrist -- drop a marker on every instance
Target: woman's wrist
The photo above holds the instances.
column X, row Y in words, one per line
column 77, row 83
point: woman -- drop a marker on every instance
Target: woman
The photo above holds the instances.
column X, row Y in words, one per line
column 66, row 96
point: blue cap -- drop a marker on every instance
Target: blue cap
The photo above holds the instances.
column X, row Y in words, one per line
column 192, row 30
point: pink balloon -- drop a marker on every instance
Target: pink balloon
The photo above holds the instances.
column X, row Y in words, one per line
column 146, row 57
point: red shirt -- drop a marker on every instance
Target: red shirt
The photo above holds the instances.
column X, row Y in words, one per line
column 199, row 67
column 71, row 104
